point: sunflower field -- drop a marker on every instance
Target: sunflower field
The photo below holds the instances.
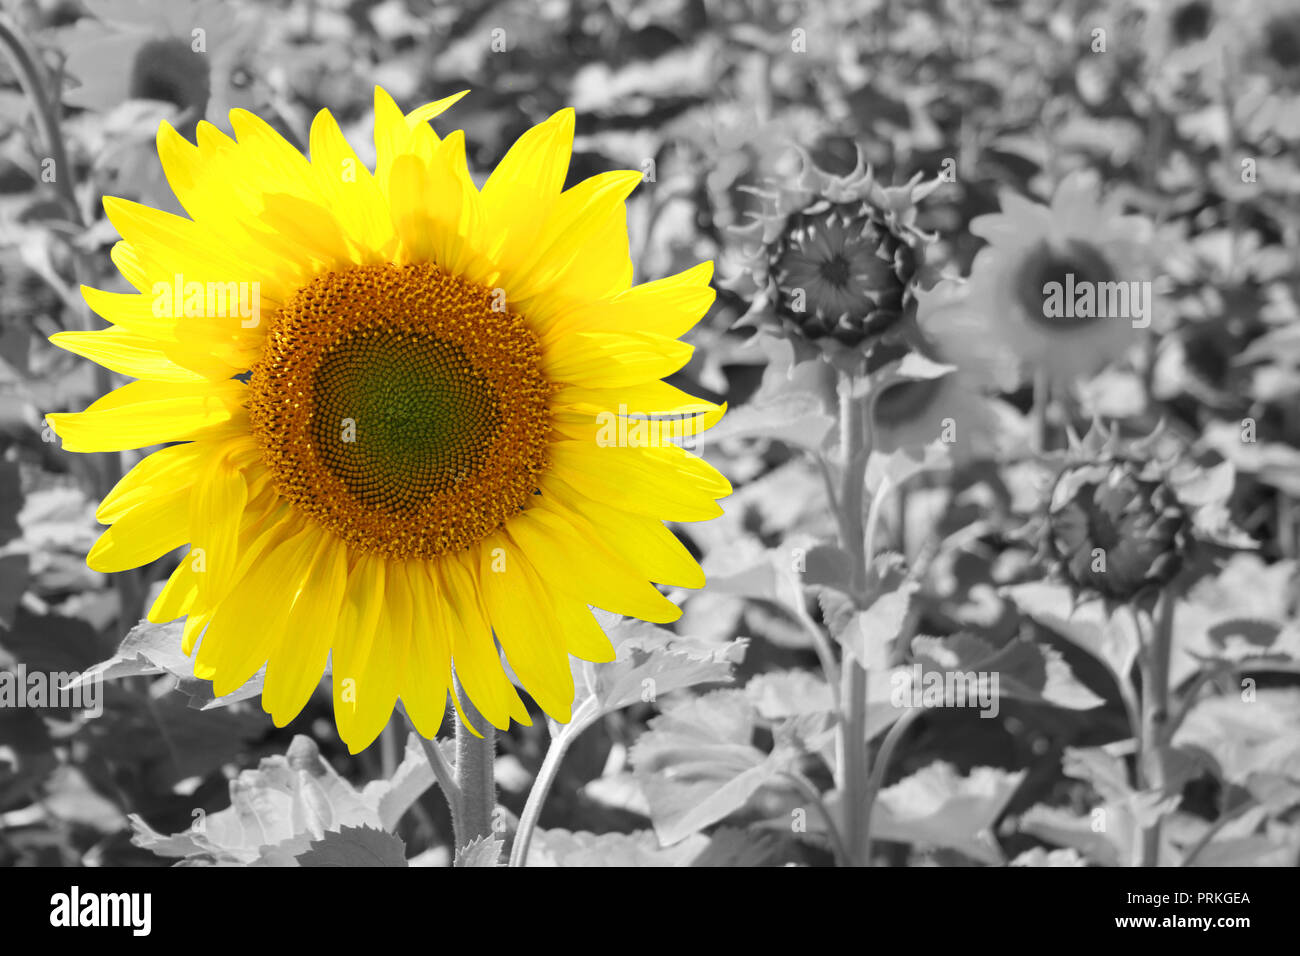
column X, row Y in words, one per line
column 677, row 433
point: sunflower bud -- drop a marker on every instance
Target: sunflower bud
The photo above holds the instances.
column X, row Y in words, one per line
column 1126, row 518
column 1116, row 529
column 834, row 262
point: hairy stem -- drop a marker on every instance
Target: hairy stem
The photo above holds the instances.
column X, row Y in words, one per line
column 475, row 779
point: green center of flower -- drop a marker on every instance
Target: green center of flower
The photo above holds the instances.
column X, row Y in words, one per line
column 1054, row 278
column 400, row 417
column 402, row 408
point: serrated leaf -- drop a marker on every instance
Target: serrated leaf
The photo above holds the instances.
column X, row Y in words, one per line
column 481, row 851
column 151, row 649
column 837, row 608
column 869, row 634
column 651, row 661
column 355, row 846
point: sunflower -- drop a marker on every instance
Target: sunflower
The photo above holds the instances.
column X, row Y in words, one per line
column 193, row 54
column 833, row 262
column 1064, row 288
column 391, row 396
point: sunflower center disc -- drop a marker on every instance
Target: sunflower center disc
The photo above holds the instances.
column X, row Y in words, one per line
column 1071, row 265
column 400, row 409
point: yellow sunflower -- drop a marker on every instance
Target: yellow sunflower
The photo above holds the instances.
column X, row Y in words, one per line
column 1066, row 288
column 396, row 401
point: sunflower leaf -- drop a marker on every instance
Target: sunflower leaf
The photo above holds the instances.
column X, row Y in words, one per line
column 481, row 851
column 1024, row 670
column 652, row 661
column 869, row 634
column 355, row 846
column 151, row 649
column 275, row 813
column 937, row 807
column 393, row 797
column 1112, row 639
column 697, row 763
column 1248, row 742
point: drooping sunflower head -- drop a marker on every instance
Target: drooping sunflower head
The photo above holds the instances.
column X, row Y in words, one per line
column 1124, row 519
column 1066, row 288
column 834, row 262
column 1116, row 529
column 405, row 418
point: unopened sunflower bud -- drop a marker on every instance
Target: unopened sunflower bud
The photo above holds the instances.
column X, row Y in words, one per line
column 1116, row 530
column 834, row 262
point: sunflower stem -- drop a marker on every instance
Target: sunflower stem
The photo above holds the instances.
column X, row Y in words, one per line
column 442, row 771
column 588, row 713
column 1042, row 402
column 1153, row 753
column 475, row 778
column 852, row 744
column 35, row 84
